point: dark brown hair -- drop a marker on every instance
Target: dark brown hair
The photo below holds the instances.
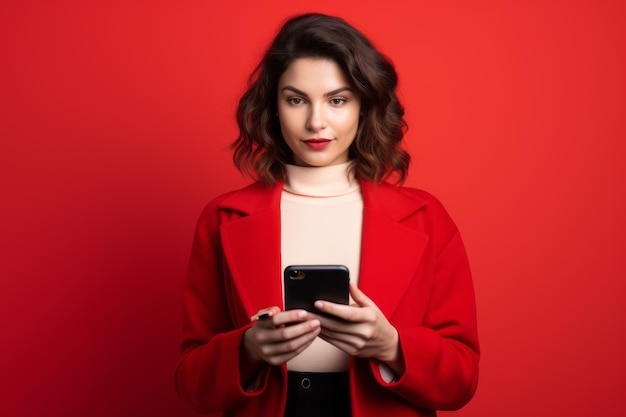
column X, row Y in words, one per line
column 260, row 150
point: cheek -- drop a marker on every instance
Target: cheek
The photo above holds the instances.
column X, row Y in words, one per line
column 349, row 124
column 347, row 119
column 286, row 128
column 288, row 122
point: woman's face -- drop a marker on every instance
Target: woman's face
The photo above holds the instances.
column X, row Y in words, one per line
column 318, row 112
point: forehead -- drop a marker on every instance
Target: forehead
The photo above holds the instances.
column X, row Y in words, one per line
column 315, row 74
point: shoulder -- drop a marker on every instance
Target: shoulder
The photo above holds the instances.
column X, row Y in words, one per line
column 219, row 199
column 418, row 194
column 428, row 200
column 413, row 207
column 246, row 200
column 392, row 197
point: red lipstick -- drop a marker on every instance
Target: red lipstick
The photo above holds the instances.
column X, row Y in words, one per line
column 317, row 143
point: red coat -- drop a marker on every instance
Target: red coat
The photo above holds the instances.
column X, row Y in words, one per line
column 413, row 266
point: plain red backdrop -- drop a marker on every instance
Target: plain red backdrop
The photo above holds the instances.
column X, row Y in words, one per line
column 114, row 121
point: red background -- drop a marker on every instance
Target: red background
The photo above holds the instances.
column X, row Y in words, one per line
column 114, row 120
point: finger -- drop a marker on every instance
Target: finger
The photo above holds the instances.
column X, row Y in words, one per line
column 290, row 316
column 288, row 350
column 341, row 311
column 300, row 340
column 334, row 334
column 334, row 323
column 277, row 318
column 359, row 297
column 265, row 313
column 347, row 345
column 281, row 334
column 295, row 331
column 291, row 343
column 348, row 330
column 330, row 308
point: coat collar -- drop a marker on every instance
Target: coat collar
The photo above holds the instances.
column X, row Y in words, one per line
column 390, row 249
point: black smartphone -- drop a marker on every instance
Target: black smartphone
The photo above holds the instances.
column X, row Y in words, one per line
column 304, row 284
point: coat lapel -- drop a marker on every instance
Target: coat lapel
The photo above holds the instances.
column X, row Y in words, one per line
column 390, row 249
column 251, row 244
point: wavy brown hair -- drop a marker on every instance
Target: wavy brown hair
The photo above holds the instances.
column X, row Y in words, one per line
column 260, row 150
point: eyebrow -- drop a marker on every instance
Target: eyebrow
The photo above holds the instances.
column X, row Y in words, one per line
column 302, row 93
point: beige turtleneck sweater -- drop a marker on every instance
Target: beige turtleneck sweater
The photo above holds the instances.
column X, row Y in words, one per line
column 321, row 218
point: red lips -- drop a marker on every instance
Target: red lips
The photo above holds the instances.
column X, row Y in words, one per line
column 317, row 143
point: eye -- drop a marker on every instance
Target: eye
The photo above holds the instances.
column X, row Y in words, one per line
column 337, row 101
column 295, row 101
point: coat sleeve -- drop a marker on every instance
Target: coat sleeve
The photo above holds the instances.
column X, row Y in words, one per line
column 441, row 353
column 207, row 375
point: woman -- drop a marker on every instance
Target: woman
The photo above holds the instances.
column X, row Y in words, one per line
column 321, row 129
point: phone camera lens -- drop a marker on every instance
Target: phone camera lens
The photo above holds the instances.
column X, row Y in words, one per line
column 296, row 274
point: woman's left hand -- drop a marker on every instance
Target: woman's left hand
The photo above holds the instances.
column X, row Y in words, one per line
column 361, row 330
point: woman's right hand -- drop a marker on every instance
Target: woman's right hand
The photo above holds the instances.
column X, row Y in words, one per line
column 280, row 336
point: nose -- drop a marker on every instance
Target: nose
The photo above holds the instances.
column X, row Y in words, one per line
column 316, row 120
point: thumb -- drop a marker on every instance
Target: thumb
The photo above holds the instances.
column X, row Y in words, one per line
column 360, row 298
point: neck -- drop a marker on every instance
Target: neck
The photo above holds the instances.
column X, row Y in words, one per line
column 328, row 181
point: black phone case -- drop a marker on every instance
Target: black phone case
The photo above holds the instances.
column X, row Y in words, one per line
column 304, row 284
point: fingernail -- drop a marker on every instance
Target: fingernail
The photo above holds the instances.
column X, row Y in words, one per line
column 319, row 304
column 302, row 314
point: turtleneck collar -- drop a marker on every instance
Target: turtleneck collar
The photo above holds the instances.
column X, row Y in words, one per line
column 328, row 181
